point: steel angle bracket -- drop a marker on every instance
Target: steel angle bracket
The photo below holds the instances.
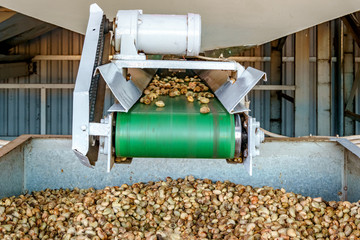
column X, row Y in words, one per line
column 255, row 137
column 105, row 131
column 125, row 91
column 231, row 94
column 81, row 105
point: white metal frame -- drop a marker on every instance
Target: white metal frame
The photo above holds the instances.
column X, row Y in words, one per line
column 235, row 58
column 81, row 109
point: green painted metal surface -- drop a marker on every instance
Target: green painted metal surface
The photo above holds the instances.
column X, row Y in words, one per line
column 178, row 130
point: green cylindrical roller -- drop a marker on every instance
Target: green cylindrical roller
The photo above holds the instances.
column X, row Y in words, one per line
column 177, row 130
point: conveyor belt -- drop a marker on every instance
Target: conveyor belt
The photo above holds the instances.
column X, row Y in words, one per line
column 178, row 130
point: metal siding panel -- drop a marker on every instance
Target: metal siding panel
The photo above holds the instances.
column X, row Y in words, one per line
column 275, row 79
column 313, row 83
column 288, row 79
column 21, row 100
column 258, row 94
column 266, row 94
column 65, row 79
column 338, row 89
column 253, row 96
column 356, row 66
column 302, row 81
column 257, row 98
column 4, row 111
column 333, row 76
column 54, row 95
column 21, row 109
column 323, row 80
column 348, row 74
column 12, row 118
column 357, row 98
column 42, row 72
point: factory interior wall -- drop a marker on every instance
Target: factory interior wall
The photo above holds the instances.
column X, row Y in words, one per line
column 315, row 107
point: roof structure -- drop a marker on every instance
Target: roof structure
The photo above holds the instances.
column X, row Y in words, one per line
column 225, row 23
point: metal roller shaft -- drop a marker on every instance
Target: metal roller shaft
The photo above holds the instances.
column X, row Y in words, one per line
column 178, row 130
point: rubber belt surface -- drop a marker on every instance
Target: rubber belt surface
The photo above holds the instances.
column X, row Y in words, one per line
column 177, row 130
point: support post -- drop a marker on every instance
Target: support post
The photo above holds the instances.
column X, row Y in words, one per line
column 337, row 86
column 275, row 79
column 323, row 80
column 43, row 111
column 302, row 82
column 348, row 73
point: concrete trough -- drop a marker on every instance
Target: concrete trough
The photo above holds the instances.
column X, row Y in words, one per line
column 316, row 167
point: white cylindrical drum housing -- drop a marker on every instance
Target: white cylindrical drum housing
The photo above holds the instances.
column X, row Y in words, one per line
column 161, row 34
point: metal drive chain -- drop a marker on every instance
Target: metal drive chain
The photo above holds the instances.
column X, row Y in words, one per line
column 95, row 78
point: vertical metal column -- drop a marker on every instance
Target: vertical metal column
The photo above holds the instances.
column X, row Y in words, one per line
column 275, row 79
column 43, row 73
column 337, row 86
column 288, row 71
column 302, row 82
column 256, row 97
column 266, row 102
column 43, row 111
column 323, row 80
column 348, row 74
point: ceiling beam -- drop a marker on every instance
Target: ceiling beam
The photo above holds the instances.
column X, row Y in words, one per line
column 14, row 58
column 352, row 23
column 30, row 34
column 19, row 69
column 19, row 29
column 5, row 14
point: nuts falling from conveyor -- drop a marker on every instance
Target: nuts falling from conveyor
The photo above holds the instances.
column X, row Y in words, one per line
column 174, row 86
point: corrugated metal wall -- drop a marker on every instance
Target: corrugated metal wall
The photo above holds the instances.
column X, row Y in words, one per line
column 20, row 110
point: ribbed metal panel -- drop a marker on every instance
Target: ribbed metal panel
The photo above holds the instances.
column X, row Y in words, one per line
column 357, row 96
column 288, row 78
column 259, row 100
column 20, row 109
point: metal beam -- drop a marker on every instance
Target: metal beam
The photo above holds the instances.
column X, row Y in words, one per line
column 36, row 86
column 337, row 85
column 352, row 24
column 285, row 96
column 237, row 59
column 14, row 58
column 352, row 115
column 5, row 14
column 302, row 82
column 280, row 43
column 323, row 80
column 71, row 86
column 43, row 111
column 10, row 70
column 20, row 28
column 57, row 58
column 275, row 78
column 349, row 125
column 16, row 25
column 29, row 34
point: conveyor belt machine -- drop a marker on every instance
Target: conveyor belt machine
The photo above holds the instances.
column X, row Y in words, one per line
column 131, row 129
